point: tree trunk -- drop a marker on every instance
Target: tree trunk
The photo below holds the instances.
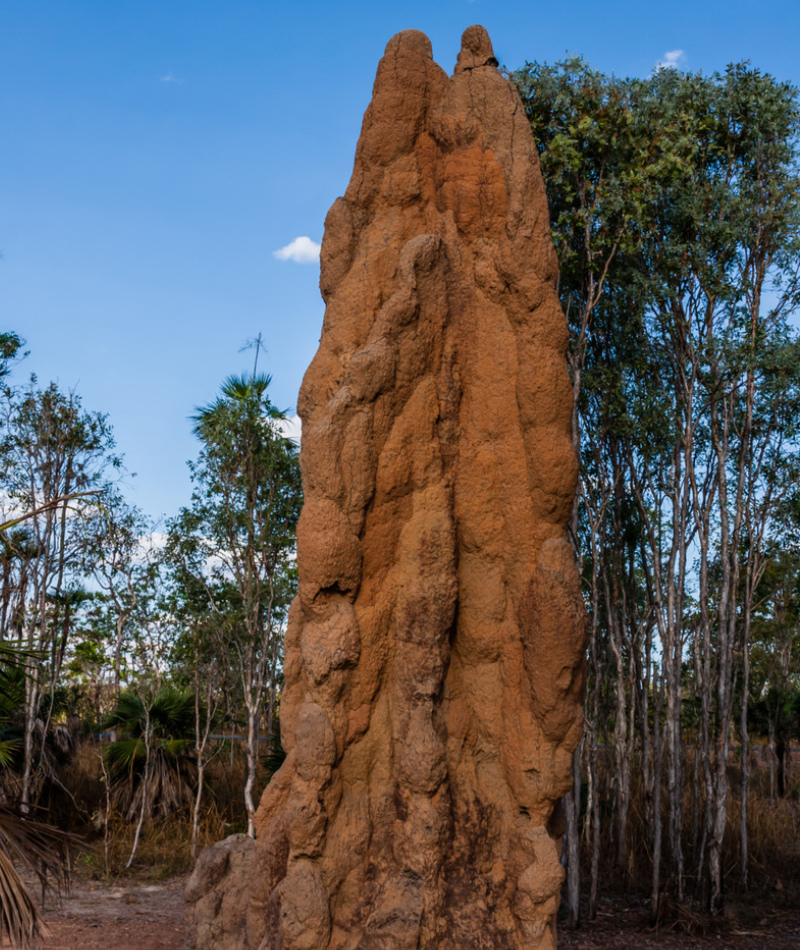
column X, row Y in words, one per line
column 772, row 760
column 572, row 807
column 745, row 744
column 198, row 798
column 145, row 786
column 31, row 710
column 655, row 894
column 252, row 767
column 780, row 755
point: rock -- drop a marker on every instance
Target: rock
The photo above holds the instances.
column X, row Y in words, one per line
column 435, row 654
column 217, row 896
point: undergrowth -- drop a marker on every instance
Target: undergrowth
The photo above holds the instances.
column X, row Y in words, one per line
column 773, row 842
column 164, row 847
column 78, row 801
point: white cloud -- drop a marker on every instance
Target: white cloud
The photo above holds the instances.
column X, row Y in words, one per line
column 673, row 59
column 154, row 540
column 147, row 546
column 302, row 250
column 291, row 428
column 170, row 78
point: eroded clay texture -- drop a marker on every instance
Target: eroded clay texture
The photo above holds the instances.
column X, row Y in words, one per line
column 434, row 657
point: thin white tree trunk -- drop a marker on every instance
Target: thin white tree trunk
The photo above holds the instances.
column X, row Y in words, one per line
column 252, row 767
column 145, row 786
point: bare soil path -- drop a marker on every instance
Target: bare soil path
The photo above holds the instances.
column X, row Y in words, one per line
column 146, row 916
column 130, row 916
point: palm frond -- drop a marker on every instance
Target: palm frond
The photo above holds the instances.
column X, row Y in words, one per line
column 19, row 916
column 8, row 751
column 124, row 756
column 14, row 656
column 12, row 691
column 39, row 847
column 274, row 758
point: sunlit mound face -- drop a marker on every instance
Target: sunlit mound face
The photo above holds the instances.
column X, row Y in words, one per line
column 434, row 655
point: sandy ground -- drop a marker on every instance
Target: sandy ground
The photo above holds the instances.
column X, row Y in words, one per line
column 131, row 916
column 96, row 916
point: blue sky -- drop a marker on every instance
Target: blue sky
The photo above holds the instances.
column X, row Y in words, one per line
column 155, row 155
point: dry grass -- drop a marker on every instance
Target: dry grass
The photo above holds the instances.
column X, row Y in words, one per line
column 773, row 840
column 164, row 847
column 684, row 918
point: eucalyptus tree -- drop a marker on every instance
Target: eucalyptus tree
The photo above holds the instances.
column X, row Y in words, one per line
column 674, row 206
column 51, row 450
column 236, row 540
column 121, row 558
column 10, row 346
column 721, row 270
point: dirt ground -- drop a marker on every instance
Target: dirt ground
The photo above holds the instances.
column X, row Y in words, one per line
column 133, row 916
column 631, row 930
column 95, row 916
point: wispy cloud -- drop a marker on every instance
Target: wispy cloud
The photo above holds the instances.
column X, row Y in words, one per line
column 170, row 78
column 302, row 250
column 291, row 428
column 148, row 545
column 673, row 59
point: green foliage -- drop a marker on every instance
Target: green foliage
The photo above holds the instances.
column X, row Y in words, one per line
column 164, row 722
column 675, row 209
column 10, row 346
column 231, row 553
column 168, row 717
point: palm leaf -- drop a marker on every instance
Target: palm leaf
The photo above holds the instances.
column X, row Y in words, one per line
column 124, row 756
column 41, row 848
column 8, row 751
column 19, row 916
column 128, row 715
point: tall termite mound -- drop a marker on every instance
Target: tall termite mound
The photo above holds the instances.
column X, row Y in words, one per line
column 434, row 655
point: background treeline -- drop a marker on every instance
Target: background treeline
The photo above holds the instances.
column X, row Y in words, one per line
column 675, row 210
column 140, row 663
column 129, row 650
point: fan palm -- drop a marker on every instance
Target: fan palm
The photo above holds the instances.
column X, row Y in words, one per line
column 240, row 391
column 166, row 724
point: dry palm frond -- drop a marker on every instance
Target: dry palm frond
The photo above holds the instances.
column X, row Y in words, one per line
column 169, row 787
column 19, row 916
column 41, row 848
